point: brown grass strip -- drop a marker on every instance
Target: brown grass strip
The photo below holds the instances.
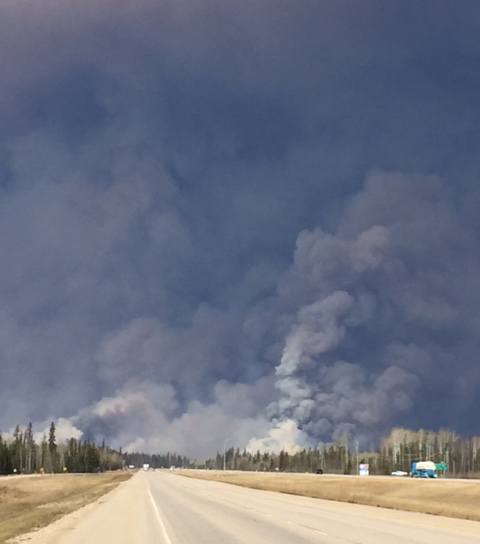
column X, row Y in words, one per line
column 456, row 499
column 28, row 503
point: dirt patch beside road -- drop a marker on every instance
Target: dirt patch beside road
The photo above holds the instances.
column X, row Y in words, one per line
column 457, row 499
column 27, row 503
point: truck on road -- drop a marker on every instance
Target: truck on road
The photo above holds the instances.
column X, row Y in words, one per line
column 423, row 469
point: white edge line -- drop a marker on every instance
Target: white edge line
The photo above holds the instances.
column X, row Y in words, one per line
column 167, row 538
column 314, row 529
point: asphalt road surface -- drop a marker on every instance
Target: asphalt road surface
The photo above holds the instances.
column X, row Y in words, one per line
column 164, row 508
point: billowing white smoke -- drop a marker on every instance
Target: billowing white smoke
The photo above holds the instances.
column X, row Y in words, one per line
column 370, row 325
column 323, row 393
column 144, row 416
column 64, row 430
column 320, row 393
column 371, row 301
column 285, row 435
column 319, row 329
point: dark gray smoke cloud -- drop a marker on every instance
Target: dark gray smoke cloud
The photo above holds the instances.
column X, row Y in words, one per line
column 385, row 329
column 238, row 220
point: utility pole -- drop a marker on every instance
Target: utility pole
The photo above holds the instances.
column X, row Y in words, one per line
column 356, row 456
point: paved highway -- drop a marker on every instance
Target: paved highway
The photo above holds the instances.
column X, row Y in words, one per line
column 164, row 508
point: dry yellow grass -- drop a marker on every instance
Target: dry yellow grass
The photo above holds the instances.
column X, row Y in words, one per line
column 458, row 499
column 30, row 502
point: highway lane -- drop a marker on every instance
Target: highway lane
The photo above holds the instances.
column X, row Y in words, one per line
column 164, row 508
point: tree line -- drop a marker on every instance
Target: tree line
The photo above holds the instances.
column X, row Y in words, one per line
column 23, row 455
column 460, row 456
column 20, row 453
column 165, row 460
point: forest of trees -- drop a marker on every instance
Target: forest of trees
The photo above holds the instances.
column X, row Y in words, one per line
column 396, row 452
column 21, row 454
column 165, row 460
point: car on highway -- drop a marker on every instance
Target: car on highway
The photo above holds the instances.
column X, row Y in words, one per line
column 399, row 473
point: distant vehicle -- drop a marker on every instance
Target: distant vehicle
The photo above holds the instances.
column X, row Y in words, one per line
column 423, row 469
column 172, row 468
column 146, row 466
column 319, row 471
column 399, row 473
column 131, row 467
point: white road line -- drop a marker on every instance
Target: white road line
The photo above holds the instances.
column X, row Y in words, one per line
column 168, row 540
column 314, row 529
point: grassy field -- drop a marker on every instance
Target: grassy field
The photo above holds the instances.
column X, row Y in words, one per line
column 458, row 499
column 30, row 502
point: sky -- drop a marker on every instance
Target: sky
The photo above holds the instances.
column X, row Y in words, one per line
column 244, row 223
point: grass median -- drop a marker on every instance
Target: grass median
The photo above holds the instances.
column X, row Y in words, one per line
column 457, row 499
column 27, row 503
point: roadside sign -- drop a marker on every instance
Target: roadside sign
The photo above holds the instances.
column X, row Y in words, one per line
column 363, row 469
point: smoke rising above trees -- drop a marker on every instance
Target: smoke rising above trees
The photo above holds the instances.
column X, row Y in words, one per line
column 379, row 312
column 21, row 454
column 254, row 221
column 457, row 456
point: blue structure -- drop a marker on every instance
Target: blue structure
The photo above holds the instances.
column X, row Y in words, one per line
column 423, row 469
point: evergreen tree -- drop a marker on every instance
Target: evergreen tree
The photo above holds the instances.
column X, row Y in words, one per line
column 52, row 448
column 29, row 449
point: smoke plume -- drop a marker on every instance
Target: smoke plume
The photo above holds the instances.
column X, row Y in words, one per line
column 216, row 220
column 383, row 314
